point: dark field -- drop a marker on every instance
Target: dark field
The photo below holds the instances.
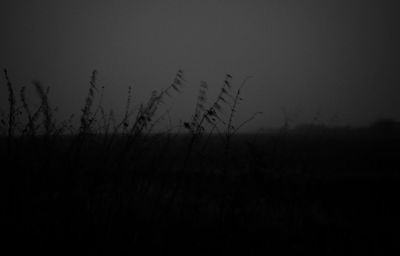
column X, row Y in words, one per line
column 118, row 187
column 328, row 192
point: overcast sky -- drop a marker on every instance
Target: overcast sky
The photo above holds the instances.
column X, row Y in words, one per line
column 335, row 59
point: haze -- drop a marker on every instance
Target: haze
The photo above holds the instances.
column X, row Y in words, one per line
column 334, row 60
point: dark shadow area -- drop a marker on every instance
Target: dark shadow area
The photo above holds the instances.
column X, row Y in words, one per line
column 118, row 187
column 312, row 189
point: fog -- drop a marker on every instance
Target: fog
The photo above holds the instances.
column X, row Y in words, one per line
column 333, row 62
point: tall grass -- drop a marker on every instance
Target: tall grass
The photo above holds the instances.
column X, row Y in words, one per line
column 11, row 110
column 115, row 183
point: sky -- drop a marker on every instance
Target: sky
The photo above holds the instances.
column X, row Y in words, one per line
column 333, row 62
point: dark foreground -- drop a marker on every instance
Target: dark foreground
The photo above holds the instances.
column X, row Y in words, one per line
column 325, row 193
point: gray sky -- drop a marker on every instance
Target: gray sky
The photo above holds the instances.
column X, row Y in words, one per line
column 338, row 59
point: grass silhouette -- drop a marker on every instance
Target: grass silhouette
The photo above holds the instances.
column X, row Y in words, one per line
column 116, row 186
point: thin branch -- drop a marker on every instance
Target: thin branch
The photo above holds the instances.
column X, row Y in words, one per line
column 247, row 121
